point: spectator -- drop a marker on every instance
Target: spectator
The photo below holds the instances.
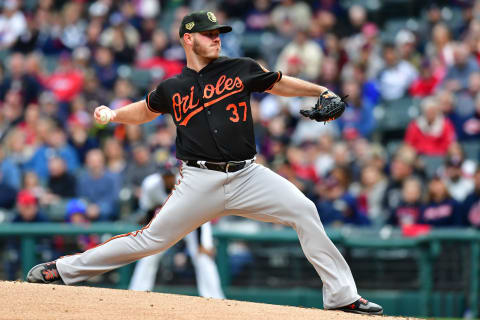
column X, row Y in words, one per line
column 93, row 92
column 446, row 101
column 19, row 81
column 152, row 56
column 357, row 17
column 324, row 161
column 16, row 149
column 66, row 82
column 119, row 27
column 397, row 76
column 93, row 32
column 32, row 184
column 365, row 48
column 121, row 38
column 74, row 27
column 27, row 41
column 10, row 173
column 79, row 123
column 29, row 124
column 303, row 161
column 290, row 15
column 81, row 57
column 116, row 162
column 431, row 133
column 401, row 167
column 464, row 65
column 49, row 107
column 369, row 87
column 468, row 165
column 105, row 67
column 98, row 187
column 258, row 17
column 12, row 23
column 329, row 75
column 27, row 211
column 10, row 181
column 373, row 184
column 426, row 83
column 465, row 99
column 471, row 205
column 338, row 206
column 440, row 48
column 440, row 210
column 138, row 169
column 56, row 144
column 405, row 42
column 471, row 126
column 307, row 53
column 123, row 92
column 76, row 214
column 12, row 108
column 61, row 186
column 458, row 185
column 408, row 211
column 133, row 135
column 359, row 116
column 61, row 183
column 431, row 19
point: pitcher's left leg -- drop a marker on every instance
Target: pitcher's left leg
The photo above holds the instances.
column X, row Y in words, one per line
column 261, row 194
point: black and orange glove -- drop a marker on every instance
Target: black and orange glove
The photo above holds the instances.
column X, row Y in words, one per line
column 329, row 106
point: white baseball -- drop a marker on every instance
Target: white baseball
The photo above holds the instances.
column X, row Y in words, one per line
column 105, row 116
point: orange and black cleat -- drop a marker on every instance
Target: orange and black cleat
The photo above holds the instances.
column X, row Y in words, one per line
column 45, row 273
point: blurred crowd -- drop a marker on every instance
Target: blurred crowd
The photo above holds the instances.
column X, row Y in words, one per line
column 61, row 59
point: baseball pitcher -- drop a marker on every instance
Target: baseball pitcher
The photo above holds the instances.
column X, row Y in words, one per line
column 210, row 105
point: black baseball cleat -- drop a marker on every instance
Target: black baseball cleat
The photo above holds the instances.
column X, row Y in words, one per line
column 362, row 306
column 45, row 273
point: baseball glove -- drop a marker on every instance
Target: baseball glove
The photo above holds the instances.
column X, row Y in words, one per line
column 329, row 106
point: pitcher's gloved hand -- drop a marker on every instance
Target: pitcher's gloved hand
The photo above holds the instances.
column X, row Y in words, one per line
column 329, row 106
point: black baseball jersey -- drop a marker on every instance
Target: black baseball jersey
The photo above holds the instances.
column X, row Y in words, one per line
column 211, row 108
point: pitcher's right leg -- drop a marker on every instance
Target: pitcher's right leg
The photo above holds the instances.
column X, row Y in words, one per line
column 196, row 199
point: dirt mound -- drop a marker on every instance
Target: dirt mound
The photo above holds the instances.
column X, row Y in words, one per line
column 20, row 300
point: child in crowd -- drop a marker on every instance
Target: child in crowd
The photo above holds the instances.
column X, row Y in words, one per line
column 408, row 212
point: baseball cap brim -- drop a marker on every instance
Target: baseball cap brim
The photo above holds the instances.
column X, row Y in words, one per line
column 221, row 28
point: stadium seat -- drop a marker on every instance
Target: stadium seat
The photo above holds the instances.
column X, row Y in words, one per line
column 50, row 62
column 397, row 114
column 471, row 149
column 142, row 78
column 432, row 164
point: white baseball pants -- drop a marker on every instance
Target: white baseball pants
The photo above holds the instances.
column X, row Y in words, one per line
column 254, row 192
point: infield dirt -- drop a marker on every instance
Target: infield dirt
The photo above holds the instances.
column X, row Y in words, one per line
column 20, row 300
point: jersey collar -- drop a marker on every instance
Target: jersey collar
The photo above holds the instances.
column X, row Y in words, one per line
column 187, row 70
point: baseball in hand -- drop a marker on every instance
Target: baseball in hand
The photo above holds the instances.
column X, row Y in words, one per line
column 105, row 116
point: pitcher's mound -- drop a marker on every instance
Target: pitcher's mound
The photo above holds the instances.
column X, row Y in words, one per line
column 22, row 300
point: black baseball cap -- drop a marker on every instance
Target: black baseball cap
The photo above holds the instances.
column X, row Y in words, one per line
column 201, row 21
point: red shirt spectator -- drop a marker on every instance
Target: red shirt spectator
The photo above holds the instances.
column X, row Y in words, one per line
column 65, row 82
column 169, row 67
column 432, row 133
